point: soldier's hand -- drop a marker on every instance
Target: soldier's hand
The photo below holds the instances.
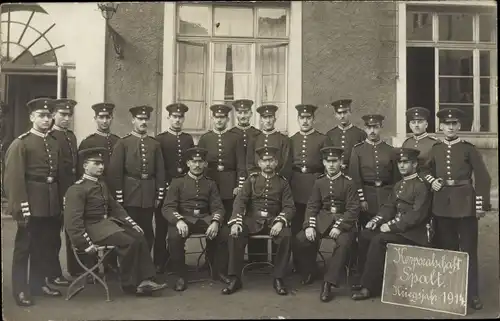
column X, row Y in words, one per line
column 480, row 214
column 138, row 228
column 364, row 206
column 371, row 225
column 310, row 234
column 91, row 249
column 437, row 184
column 334, row 233
column 212, row 230
column 236, row 229
column 182, row 228
column 384, row 228
column 236, row 190
column 276, row 229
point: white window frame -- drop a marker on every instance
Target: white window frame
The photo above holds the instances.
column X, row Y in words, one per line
column 294, row 61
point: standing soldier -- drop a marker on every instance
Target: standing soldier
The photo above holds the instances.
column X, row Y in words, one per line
column 174, row 143
column 137, row 172
column 345, row 135
column 31, row 183
column 458, row 204
column 306, row 165
column 332, row 210
column 63, row 114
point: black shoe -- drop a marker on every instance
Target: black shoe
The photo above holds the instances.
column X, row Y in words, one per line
column 233, row 286
column 223, row 278
column 180, row 285
column 363, row 294
column 46, row 291
column 309, row 279
column 326, row 289
column 151, row 286
column 280, row 287
column 475, row 303
column 23, row 300
column 59, row 281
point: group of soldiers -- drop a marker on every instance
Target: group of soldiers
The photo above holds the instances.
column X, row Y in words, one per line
column 347, row 185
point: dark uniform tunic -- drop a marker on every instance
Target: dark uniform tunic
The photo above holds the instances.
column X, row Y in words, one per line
column 271, row 138
column 173, row 146
column 262, row 202
column 31, row 183
column 374, row 170
column 345, row 137
column 137, row 175
column 93, row 216
column 196, row 201
column 456, row 203
column 406, row 212
column 246, row 133
column 423, row 143
column 334, row 203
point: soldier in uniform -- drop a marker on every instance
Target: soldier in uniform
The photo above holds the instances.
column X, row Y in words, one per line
column 174, row 143
column 401, row 220
column 94, row 218
column 345, row 135
column 137, row 172
column 193, row 205
column 63, row 114
column 306, row 165
column 458, row 204
column 31, row 183
column 332, row 210
column 263, row 206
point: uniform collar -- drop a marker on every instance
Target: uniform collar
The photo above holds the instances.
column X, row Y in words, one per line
column 346, row 127
column 90, row 178
column 269, row 132
column 220, row 132
column 196, row 178
column 243, row 127
column 136, row 134
column 307, row 133
column 267, row 176
column 38, row 133
column 173, row 132
column 334, row 177
column 55, row 127
column 412, row 176
column 100, row 133
column 452, row 142
column 419, row 137
column 373, row 143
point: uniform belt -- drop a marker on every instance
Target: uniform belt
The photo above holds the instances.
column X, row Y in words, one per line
column 334, row 209
column 197, row 213
column 454, row 182
column 41, row 179
column 376, row 183
column 307, row 169
column 141, row 176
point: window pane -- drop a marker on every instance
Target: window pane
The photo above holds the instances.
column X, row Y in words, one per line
column 489, row 118
column 484, row 63
column 272, row 22
column 230, row 57
column 228, row 86
column 468, row 118
column 233, row 22
column 487, row 28
column 273, row 89
column 484, row 85
column 193, row 20
column 455, row 62
column 191, row 58
column 273, row 60
column 195, row 117
column 455, row 27
column 455, row 90
column 190, row 86
column 419, row 26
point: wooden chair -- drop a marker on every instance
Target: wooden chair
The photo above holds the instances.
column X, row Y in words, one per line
column 269, row 254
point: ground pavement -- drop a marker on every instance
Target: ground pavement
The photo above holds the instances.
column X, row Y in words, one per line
column 256, row 300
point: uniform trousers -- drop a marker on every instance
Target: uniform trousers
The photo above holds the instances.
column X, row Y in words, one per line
column 461, row 234
column 160, row 250
column 177, row 244
column 134, row 256
column 372, row 249
column 35, row 244
column 236, row 249
column 297, row 221
column 335, row 265
column 144, row 218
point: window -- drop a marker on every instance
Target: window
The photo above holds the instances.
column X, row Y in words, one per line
column 229, row 52
column 452, row 62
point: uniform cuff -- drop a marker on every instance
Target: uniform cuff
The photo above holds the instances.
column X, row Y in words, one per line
column 241, row 181
column 217, row 218
column 238, row 220
column 337, row 223
column 161, row 193
column 178, row 216
column 131, row 221
column 87, row 238
column 361, row 195
column 377, row 219
column 312, row 222
column 25, row 210
column 281, row 218
column 479, row 203
column 430, row 178
column 119, row 196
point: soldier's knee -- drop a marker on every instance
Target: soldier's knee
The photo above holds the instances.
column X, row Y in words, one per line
column 300, row 239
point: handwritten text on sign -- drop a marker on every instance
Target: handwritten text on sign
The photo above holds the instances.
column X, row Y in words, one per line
column 426, row 278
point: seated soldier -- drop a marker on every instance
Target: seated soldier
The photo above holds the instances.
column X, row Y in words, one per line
column 332, row 210
column 264, row 205
column 193, row 205
column 93, row 218
column 402, row 220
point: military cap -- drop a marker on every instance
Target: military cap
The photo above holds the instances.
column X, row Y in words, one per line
column 417, row 113
column 331, row 152
column 196, row 152
column 42, row 104
column 306, row 110
column 406, row 153
column 177, row 108
column 450, row 115
column 242, row 104
column 103, row 108
column 374, row 119
column 141, row 110
column 342, row 105
column 220, row 110
column 94, row 153
column 64, row 104
column 267, row 110
column 266, row 151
